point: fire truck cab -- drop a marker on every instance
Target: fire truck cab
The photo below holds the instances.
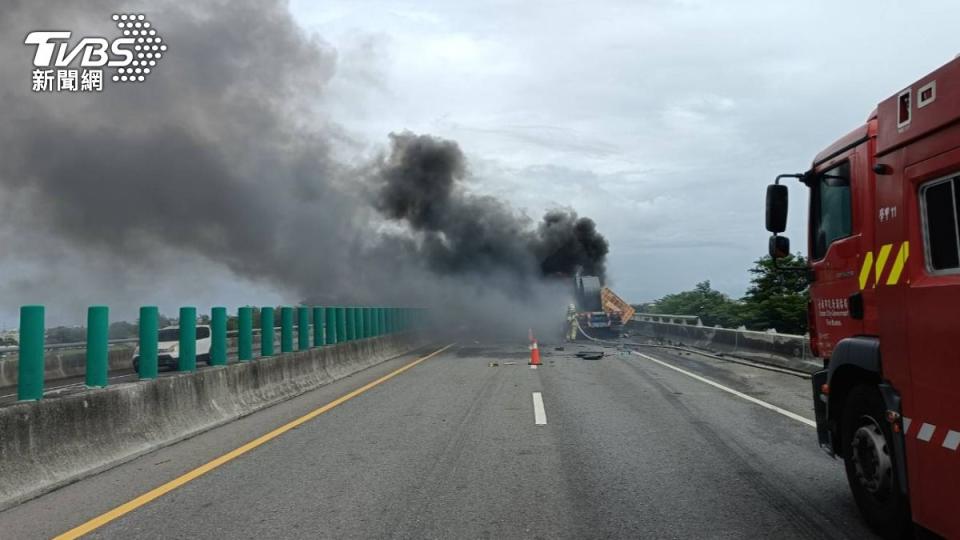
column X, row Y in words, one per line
column 884, row 265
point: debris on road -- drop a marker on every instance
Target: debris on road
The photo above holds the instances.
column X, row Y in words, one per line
column 590, row 355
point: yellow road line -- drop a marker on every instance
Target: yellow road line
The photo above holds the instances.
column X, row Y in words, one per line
column 159, row 491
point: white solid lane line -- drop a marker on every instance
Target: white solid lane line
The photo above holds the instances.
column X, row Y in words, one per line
column 539, row 415
column 751, row 399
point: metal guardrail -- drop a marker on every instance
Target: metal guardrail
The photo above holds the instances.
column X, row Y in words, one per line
column 786, row 350
column 326, row 325
column 112, row 342
column 667, row 318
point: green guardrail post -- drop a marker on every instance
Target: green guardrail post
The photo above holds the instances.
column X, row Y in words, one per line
column 358, row 314
column 388, row 316
column 31, row 367
column 375, row 321
column 286, row 329
column 149, row 335
column 303, row 328
column 341, row 334
column 330, row 325
column 361, row 323
column 188, row 339
column 351, row 324
column 266, row 331
column 98, row 329
column 218, row 338
column 318, row 326
column 245, row 334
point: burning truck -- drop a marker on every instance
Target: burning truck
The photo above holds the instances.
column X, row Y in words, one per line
column 597, row 308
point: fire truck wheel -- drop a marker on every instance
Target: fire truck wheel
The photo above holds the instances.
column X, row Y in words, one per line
column 870, row 463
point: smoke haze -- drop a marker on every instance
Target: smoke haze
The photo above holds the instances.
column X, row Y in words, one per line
column 421, row 183
column 223, row 167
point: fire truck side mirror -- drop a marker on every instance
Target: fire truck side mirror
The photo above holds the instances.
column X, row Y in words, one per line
column 776, row 208
column 779, row 246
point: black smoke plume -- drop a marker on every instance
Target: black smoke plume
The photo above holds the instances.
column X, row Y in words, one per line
column 421, row 183
column 220, row 169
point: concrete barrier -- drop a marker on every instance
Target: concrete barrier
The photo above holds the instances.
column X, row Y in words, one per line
column 70, row 363
column 783, row 350
column 53, row 442
column 66, row 363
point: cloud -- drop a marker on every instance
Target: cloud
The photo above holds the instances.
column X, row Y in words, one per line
column 662, row 120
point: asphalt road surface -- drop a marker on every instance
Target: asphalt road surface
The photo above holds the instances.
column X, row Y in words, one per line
column 455, row 447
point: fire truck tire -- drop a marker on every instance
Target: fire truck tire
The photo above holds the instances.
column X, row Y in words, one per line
column 870, row 463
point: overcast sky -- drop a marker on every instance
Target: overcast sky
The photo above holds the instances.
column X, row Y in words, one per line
column 663, row 120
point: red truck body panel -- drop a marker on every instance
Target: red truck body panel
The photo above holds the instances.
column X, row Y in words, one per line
column 911, row 307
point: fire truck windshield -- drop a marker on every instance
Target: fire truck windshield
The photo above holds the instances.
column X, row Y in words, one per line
column 830, row 208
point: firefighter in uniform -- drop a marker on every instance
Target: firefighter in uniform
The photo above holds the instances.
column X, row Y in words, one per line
column 572, row 322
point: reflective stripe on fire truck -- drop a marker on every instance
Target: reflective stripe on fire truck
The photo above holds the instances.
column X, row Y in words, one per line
column 898, row 263
column 951, row 441
column 865, row 271
column 881, row 262
column 896, row 270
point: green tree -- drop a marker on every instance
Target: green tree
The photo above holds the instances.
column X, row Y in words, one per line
column 122, row 330
column 66, row 334
column 777, row 298
column 712, row 306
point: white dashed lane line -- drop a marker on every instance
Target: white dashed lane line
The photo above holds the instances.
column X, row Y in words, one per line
column 539, row 415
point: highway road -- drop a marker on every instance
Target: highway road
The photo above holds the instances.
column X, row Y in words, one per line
column 458, row 446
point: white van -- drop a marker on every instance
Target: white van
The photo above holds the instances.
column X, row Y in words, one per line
column 168, row 347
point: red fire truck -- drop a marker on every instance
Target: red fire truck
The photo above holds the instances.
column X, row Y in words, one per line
column 884, row 252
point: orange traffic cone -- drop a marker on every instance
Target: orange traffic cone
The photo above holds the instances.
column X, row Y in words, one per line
column 534, row 354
